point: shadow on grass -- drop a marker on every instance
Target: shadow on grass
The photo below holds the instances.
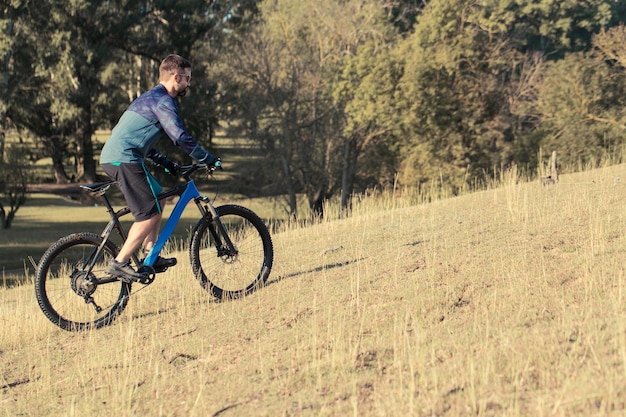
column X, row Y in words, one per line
column 316, row 269
column 211, row 300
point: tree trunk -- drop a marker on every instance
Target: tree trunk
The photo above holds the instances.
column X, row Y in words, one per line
column 2, row 141
column 291, row 193
column 316, row 203
column 16, row 197
column 57, row 149
column 87, row 164
column 60, row 176
column 347, row 175
column 5, row 87
column 3, row 217
column 9, row 220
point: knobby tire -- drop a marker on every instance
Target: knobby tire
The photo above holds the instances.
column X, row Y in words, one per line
column 228, row 275
column 60, row 284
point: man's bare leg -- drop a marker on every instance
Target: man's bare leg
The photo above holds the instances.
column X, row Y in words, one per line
column 151, row 238
column 140, row 232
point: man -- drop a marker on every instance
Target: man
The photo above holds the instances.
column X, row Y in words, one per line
column 131, row 141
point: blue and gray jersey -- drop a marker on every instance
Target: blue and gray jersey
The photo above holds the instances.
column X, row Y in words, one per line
column 141, row 126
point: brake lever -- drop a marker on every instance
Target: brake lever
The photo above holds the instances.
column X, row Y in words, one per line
column 209, row 171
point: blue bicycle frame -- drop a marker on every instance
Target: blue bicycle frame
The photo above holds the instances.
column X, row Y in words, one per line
column 189, row 193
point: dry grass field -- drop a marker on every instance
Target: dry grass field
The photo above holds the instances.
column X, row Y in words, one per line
column 505, row 302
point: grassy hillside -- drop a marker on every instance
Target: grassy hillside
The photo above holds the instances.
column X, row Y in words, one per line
column 508, row 302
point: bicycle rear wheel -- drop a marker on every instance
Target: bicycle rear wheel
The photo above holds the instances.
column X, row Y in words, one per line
column 71, row 294
column 229, row 274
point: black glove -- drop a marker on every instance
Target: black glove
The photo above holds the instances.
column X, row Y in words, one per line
column 171, row 167
column 159, row 159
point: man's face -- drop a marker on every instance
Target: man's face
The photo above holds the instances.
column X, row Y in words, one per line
column 183, row 81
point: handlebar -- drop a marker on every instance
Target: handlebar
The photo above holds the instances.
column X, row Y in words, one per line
column 187, row 170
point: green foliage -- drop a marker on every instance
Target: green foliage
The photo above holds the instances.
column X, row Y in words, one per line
column 287, row 67
column 558, row 25
column 404, row 13
column 367, row 93
column 611, row 44
column 582, row 104
column 472, row 76
column 341, row 95
column 453, row 97
column 100, row 56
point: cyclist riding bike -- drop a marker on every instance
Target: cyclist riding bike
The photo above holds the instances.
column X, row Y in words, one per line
column 133, row 140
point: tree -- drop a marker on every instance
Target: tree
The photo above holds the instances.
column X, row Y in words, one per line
column 60, row 81
column 366, row 92
column 27, row 103
column 582, row 108
column 553, row 27
column 98, row 54
column 453, row 97
column 471, row 73
column 611, row 43
column 13, row 185
column 289, row 63
column 341, row 95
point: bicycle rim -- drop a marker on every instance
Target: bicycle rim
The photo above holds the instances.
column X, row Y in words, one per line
column 65, row 286
column 231, row 275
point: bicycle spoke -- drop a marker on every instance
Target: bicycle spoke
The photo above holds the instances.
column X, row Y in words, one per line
column 70, row 292
column 230, row 272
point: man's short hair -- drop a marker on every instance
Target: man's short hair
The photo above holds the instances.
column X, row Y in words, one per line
column 171, row 64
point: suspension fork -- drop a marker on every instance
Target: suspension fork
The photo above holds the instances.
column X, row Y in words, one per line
column 223, row 243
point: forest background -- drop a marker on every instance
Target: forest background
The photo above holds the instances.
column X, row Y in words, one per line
column 338, row 95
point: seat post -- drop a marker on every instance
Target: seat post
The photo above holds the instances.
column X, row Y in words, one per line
column 107, row 202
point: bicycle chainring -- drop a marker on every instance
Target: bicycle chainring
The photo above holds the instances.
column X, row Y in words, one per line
column 148, row 274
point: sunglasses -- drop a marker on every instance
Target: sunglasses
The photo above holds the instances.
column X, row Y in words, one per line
column 185, row 75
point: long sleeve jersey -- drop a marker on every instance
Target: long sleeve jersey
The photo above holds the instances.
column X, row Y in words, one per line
column 141, row 126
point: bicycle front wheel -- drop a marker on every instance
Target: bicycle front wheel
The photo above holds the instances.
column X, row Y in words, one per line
column 231, row 256
column 72, row 288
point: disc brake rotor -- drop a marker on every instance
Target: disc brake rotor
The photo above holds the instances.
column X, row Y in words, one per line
column 83, row 283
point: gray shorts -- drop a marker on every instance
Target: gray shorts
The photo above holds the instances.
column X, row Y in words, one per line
column 139, row 187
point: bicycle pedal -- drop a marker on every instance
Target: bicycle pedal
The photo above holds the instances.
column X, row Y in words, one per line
column 147, row 275
column 161, row 265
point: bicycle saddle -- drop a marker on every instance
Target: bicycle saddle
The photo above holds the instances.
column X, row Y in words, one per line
column 98, row 186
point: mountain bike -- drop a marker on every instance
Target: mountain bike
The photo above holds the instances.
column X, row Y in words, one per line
column 230, row 251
